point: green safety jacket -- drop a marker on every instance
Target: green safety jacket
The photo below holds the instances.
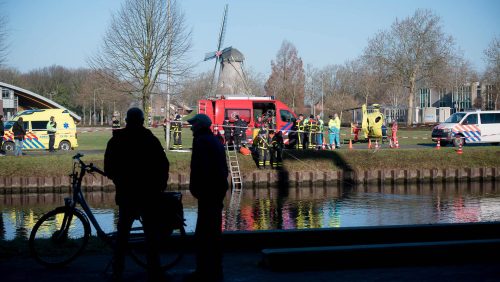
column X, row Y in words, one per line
column 51, row 127
column 321, row 125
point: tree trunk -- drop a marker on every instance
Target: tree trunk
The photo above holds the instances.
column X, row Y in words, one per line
column 409, row 121
column 145, row 108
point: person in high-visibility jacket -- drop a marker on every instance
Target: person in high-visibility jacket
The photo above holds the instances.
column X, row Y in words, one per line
column 261, row 145
column 306, row 133
column 176, row 128
column 299, row 124
column 276, row 149
column 319, row 134
column 334, row 131
column 313, row 130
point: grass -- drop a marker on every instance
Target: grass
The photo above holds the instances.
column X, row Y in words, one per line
column 42, row 164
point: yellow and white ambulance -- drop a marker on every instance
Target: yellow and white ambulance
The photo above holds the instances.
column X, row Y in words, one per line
column 35, row 123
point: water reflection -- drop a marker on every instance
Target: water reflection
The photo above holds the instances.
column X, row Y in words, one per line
column 293, row 208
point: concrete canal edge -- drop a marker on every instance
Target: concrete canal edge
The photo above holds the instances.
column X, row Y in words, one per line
column 268, row 178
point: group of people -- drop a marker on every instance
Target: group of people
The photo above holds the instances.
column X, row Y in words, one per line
column 141, row 175
column 311, row 132
column 19, row 132
column 235, row 134
column 268, row 148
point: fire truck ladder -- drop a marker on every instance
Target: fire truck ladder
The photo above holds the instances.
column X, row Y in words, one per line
column 234, row 168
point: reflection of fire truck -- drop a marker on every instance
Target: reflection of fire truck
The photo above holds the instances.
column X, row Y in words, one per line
column 249, row 108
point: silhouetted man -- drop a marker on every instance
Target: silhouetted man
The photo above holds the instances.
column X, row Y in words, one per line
column 140, row 176
column 208, row 184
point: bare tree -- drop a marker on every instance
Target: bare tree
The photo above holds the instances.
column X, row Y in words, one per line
column 312, row 87
column 410, row 51
column 147, row 39
column 287, row 79
column 254, row 82
column 196, row 88
column 492, row 73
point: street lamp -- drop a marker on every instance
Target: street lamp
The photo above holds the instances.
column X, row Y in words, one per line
column 95, row 117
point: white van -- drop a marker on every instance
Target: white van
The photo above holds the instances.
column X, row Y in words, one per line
column 469, row 127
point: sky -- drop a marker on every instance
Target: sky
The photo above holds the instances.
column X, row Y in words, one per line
column 66, row 32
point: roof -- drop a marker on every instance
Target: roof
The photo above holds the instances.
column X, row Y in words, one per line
column 44, row 100
column 232, row 54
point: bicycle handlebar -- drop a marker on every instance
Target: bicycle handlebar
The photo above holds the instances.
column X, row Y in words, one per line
column 87, row 167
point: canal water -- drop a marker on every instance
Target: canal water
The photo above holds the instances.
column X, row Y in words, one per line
column 295, row 208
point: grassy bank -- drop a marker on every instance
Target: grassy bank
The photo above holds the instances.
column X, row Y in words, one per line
column 44, row 164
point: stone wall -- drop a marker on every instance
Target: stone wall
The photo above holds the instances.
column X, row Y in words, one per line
column 267, row 178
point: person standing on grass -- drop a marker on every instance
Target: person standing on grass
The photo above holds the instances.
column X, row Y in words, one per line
column 334, row 128
column 19, row 133
column 140, row 176
column 176, row 128
column 208, row 184
column 51, row 131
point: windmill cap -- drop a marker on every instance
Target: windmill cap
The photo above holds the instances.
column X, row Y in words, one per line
column 200, row 119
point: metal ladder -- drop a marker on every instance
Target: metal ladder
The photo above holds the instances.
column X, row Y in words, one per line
column 234, row 168
column 234, row 204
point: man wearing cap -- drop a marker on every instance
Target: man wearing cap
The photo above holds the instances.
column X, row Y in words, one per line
column 140, row 175
column 51, row 131
column 208, row 184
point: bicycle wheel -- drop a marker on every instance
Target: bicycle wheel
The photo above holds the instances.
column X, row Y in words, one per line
column 59, row 237
column 170, row 246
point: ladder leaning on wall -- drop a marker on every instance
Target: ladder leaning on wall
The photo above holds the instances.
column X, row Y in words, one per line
column 234, row 168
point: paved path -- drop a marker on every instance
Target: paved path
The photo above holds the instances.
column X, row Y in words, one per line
column 243, row 267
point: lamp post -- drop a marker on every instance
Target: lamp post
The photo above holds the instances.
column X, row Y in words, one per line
column 95, row 117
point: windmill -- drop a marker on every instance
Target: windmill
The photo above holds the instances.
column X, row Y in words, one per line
column 231, row 76
column 217, row 54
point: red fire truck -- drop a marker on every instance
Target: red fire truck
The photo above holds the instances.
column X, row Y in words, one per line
column 248, row 108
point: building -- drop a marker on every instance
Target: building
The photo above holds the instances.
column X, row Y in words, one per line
column 465, row 97
column 16, row 99
column 159, row 106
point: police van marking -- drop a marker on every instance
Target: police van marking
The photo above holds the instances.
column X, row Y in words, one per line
column 472, row 133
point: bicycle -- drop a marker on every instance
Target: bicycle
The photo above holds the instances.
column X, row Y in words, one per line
column 62, row 234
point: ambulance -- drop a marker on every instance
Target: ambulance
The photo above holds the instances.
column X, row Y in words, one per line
column 469, row 127
column 35, row 123
column 248, row 108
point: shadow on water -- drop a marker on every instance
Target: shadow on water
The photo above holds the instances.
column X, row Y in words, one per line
column 284, row 176
column 349, row 176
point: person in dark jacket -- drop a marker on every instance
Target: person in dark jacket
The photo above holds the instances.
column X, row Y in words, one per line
column 238, row 132
column 276, row 149
column 176, row 128
column 19, row 132
column 137, row 164
column 2, row 132
column 208, row 184
column 228, row 131
column 115, row 122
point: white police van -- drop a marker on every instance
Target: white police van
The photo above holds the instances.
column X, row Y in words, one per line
column 469, row 127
